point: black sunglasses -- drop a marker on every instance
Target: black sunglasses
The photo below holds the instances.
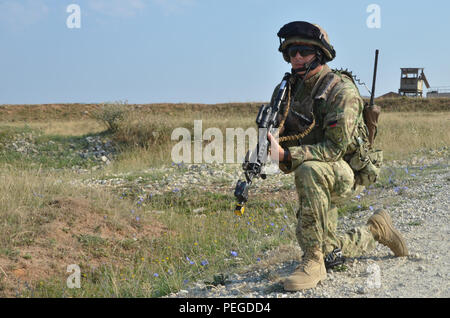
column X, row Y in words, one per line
column 304, row 50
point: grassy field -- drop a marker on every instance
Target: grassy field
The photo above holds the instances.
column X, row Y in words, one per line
column 129, row 241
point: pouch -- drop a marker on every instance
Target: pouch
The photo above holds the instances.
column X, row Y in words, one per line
column 369, row 167
column 371, row 114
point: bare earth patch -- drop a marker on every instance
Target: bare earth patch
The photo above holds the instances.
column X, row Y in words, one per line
column 80, row 233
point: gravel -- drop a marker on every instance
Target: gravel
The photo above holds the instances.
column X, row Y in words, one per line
column 419, row 211
column 97, row 149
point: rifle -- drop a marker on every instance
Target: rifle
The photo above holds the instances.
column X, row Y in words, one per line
column 254, row 161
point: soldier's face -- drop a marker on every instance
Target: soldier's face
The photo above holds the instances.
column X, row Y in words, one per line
column 298, row 60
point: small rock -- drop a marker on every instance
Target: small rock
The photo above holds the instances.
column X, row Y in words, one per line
column 415, row 256
column 361, row 290
column 235, row 292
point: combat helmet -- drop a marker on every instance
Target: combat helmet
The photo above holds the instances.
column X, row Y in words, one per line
column 305, row 32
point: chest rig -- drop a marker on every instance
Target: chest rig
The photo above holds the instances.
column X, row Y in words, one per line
column 303, row 115
column 307, row 115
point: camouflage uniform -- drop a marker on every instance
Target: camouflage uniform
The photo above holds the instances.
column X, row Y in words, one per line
column 322, row 176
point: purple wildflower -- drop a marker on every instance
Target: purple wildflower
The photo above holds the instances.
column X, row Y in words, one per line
column 204, row 263
column 190, row 262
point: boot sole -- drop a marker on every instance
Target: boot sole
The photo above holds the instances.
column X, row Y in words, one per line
column 396, row 233
column 288, row 286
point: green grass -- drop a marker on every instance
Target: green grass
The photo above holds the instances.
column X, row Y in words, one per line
column 44, row 151
column 351, row 207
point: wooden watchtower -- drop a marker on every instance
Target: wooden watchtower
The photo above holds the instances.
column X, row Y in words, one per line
column 411, row 82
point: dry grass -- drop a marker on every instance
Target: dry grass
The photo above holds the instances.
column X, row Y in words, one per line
column 403, row 133
column 60, row 127
column 412, row 104
column 48, row 112
column 145, row 137
column 49, row 221
column 400, row 133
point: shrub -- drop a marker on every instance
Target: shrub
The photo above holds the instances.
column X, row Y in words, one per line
column 111, row 114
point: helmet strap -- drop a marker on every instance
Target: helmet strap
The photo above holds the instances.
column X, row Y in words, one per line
column 307, row 67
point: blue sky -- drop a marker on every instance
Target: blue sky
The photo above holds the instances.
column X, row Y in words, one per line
column 202, row 51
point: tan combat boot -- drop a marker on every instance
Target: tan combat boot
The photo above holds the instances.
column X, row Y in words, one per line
column 308, row 273
column 380, row 224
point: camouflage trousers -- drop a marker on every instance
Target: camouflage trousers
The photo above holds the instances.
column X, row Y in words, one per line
column 320, row 186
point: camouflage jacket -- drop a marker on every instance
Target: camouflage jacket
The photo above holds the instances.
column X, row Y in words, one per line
column 332, row 99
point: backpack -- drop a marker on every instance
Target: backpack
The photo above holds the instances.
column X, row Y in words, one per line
column 364, row 160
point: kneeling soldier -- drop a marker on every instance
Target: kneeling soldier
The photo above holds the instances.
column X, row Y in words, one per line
column 325, row 143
